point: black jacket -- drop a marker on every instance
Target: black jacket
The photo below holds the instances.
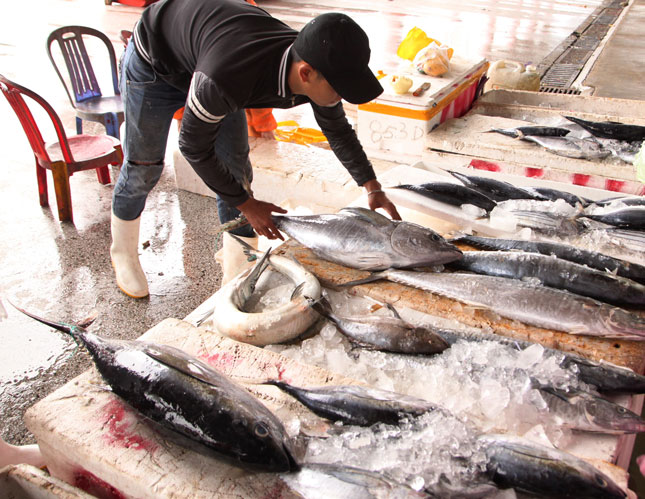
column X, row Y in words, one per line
column 229, row 55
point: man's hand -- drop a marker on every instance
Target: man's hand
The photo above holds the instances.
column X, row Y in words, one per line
column 258, row 213
column 376, row 198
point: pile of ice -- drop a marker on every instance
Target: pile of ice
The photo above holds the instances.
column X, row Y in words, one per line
column 440, row 452
column 487, row 384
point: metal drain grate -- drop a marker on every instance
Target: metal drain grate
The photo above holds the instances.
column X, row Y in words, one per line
column 559, row 90
column 561, row 75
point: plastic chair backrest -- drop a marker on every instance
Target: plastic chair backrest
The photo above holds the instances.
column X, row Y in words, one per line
column 14, row 94
column 79, row 67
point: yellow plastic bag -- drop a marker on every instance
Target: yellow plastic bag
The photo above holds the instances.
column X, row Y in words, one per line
column 415, row 40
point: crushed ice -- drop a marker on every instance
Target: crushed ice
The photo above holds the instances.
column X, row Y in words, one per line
column 486, row 383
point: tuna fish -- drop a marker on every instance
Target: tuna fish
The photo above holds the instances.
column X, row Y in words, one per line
column 185, row 395
column 497, row 190
column 583, row 411
column 556, row 273
column 568, row 252
column 611, row 129
column 621, row 200
column 526, row 302
column 571, row 147
column 451, row 193
column 604, row 376
column 357, row 405
column 547, row 472
column 555, row 194
column 389, row 334
column 631, row 217
column 541, row 131
column 278, row 324
column 366, row 240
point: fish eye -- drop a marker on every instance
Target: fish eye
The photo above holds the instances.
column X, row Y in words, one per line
column 261, row 430
column 621, row 410
column 601, row 481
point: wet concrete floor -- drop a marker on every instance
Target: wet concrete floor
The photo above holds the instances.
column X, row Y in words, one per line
column 62, row 270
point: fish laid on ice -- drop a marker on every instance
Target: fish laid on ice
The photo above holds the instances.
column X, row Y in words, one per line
column 389, row 334
column 366, row 240
column 357, row 405
column 568, row 252
column 340, row 481
column 545, row 222
column 621, row 200
column 525, row 302
column 630, row 217
column 451, row 193
column 516, row 463
column 555, row 194
column 556, row 273
column 541, row 131
column 183, row 394
column 605, row 376
column 611, row 129
column 571, row 147
column 273, row 325
column 625, row 151
column 497, row 190
column 583, row 411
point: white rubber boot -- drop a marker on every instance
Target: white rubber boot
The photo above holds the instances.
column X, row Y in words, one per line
column 20, row 454
column 125, row 257
column 232, row 258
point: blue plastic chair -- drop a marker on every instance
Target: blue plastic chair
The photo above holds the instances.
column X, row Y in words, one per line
column 88, row 101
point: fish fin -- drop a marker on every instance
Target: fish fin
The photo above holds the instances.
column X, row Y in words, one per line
column 206, row 315
column 368, row 215
column 91, row 317
column 391, row 308
column 185, row 363
column 297, row 290
column 374, row 276
column 508, row 132
column 65, row 328
column 562, row 395
column 460, row 176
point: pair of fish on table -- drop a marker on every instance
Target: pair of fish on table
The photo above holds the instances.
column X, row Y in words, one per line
column 606, row 138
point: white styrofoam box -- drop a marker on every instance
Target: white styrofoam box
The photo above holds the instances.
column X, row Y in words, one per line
column 396, row 125
column 294, row 174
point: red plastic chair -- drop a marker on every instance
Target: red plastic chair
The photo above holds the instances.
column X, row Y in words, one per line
column 64, row 157
column 88, row 101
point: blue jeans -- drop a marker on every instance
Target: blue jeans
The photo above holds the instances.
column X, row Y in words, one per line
column 149, row 105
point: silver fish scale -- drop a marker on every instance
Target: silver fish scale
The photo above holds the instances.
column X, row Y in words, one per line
column 535, row 305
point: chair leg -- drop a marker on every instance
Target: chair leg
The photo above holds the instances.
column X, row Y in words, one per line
column 103, row 173
column 112, row 125
column 41, row 177
column 79, row 126
column 63, row 192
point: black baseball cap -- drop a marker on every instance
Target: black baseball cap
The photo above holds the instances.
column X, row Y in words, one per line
column 339, row 48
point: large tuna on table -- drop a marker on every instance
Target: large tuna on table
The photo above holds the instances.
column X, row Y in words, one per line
column 185, row 395
column 363, row 239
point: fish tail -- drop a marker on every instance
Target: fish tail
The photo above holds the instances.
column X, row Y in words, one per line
column 250, row 252
column 374, row 276
column 65, row 328
column 322, row 306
